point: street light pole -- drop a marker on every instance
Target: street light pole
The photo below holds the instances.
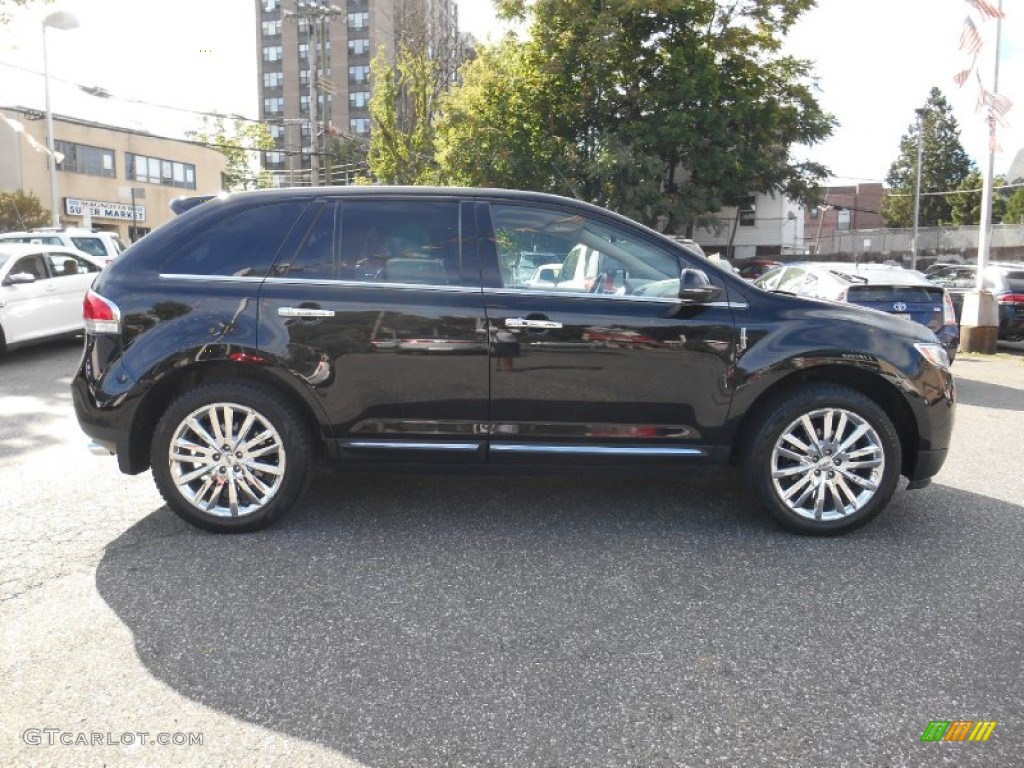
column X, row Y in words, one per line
column 57, row 20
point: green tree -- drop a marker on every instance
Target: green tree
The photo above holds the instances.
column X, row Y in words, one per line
column 346, row 158
column 944, row 167
column 241, row 144
column 1015, row 208
column 663, row 110
column 19, row 211
column 6, row 6
column 402, row 110
column 965, row 205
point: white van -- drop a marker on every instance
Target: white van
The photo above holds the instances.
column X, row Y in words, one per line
column 103, row 245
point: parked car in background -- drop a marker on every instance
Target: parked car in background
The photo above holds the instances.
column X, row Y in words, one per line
column 901, row 292
column 545, row 276
column 42, row 288
column 1004, row 279
column 233, row 348
column 102, row 245
column 751, row 269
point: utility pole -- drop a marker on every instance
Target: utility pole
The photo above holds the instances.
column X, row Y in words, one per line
column 317, row 15
column 917, row 188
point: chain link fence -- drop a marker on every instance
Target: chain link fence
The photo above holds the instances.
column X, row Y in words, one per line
column 933, row 244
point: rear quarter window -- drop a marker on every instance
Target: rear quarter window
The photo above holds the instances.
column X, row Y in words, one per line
column 244, row 244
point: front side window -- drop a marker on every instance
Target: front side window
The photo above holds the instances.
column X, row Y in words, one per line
column 272, row 52
column 358, row 20
column 359, row 74
column 242, row 245
column 358, row 46
column 359, row 125
column 584, row 255
column 843, row 219
column 65, row 265
column 395, row 241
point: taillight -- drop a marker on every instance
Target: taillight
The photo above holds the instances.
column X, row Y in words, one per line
column 1012, row 298
column 101, row 315
column 948, row 311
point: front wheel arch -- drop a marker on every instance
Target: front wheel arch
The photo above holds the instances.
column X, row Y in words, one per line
column 868, row 383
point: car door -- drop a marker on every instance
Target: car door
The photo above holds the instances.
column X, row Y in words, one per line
column 72, row 276
column 29, row 309
column 622, row 370
column 379, row 309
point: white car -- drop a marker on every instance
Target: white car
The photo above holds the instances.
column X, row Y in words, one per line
column 545, row 276
column 42, row 288
column 102, row 245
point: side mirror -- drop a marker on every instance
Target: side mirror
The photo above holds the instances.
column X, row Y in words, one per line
column 20, row 278
column 695, row 288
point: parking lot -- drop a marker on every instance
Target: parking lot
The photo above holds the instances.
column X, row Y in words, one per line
column 429, row 620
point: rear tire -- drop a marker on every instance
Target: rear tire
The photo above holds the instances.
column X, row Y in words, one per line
column 823, row 460
column 230, row 457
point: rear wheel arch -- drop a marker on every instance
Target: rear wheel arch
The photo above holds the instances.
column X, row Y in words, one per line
column 867, row 383
column 172, row 386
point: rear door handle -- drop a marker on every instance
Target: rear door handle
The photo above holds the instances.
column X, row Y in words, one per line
column 522, row 322
column 304, row 312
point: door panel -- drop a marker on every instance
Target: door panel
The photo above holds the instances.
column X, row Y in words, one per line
column 395, row 346
column 611, row 373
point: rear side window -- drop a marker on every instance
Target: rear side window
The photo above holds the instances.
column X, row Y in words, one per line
column 91, row 245
column 242, row 245
column 1015, row 281
column 887, row 293
column 399, row 241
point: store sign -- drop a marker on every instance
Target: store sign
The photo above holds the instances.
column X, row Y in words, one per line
column 98, row 209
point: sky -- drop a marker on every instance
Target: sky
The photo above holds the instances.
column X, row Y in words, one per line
column 876, row 61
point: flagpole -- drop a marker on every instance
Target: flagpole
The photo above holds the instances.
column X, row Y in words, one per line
column 985, row 230
column 979, row 318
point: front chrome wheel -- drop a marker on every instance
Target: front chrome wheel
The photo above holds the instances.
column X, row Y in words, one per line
column 827, row 464
column 823, row 460
column 227, row 460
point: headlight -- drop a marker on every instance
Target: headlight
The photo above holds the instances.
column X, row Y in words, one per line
column 934, row 354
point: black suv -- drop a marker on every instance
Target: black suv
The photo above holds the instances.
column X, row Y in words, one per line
column 259, row 333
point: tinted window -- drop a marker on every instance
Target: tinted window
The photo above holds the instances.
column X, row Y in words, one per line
column 242, row 245
column 595, row 256
column 398, row 241
column 314, row 258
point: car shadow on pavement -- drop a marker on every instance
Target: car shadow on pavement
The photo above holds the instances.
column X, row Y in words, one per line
column 436, row 621
column 985, row 395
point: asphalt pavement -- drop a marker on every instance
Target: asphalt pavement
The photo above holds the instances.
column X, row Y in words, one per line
column 425, row 620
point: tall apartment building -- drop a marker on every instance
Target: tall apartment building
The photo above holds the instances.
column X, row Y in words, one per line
column 314, row 70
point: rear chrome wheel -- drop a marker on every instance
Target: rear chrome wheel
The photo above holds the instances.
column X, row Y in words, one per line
column 227, row 459
column 823, row 460
column 230, row 457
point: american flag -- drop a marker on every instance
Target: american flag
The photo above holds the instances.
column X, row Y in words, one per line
column 970, row 40
column 987, row 10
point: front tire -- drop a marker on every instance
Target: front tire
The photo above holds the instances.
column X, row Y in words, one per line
column 823, row 460
column 230, row 457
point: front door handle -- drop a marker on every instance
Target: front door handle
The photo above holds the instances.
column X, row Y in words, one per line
column 522, row 322
column 304, row 312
